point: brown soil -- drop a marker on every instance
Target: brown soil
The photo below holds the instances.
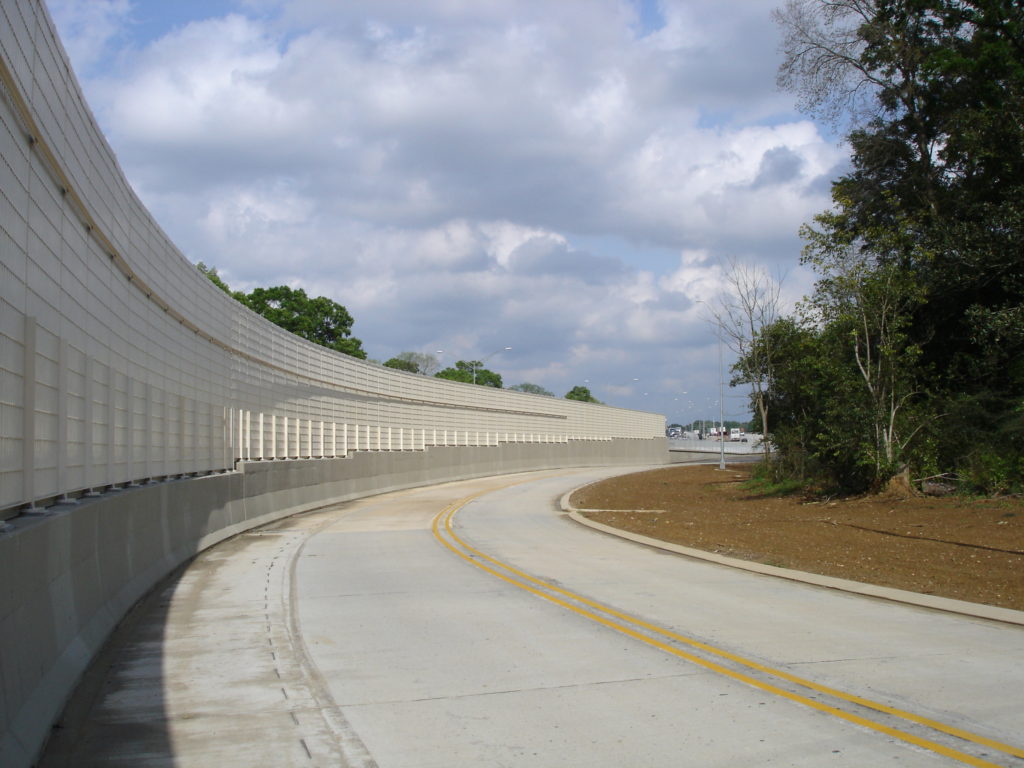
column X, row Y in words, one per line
column 965, row 549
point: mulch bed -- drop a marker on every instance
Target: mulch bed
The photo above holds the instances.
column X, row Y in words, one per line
column 967, row 549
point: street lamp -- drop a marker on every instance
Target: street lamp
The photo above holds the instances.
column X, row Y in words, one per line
column 506, row 349
column 721, row 404
column 721, row 385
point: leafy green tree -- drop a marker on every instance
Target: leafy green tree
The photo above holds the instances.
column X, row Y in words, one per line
column 320, row 320
column 533, row 389
column 582, row 394
column 402, row 364
column 749, row 303
column 471, row 372
column 215, row 278
column 414, row 362
column 872, row 304
column 933, row 92
column 790, row 394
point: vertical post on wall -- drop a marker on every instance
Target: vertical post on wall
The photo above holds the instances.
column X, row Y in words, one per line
column 309, row 438
column 28, row 413
column 147, row 430
column 284, row 435
column 182, row 422
column 273, row 435
column 259, row 441
column 334, row 439
column 229, row 431
column 248, row 435
column 129, row 420
column 111, row 452
column 212, row 424
column 87, row 420
column 159, row 441
column 240, row 445
column 62, row 419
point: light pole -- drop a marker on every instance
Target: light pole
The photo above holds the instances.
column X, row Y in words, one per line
column 721, row 404
column 721, row 386
column 505, row 349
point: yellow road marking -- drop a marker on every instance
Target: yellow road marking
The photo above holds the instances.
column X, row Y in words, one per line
column 449, row 513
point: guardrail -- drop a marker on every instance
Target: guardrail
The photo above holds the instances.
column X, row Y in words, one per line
column 713, row 445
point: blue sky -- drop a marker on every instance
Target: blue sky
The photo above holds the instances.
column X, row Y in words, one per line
column 569, row 179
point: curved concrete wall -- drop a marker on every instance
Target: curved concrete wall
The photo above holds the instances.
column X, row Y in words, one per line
column 144, row 415
column 69, row 576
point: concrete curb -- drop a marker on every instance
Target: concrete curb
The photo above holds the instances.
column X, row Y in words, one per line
column 962, row 607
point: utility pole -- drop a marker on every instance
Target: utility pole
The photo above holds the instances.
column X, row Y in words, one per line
column 721, row 404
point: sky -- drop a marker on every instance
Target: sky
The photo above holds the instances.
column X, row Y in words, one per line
column 568, row 178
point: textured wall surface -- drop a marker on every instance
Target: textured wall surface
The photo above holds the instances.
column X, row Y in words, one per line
column 144, row 415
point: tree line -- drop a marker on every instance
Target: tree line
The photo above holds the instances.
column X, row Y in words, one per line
column 327, row 323
column 906, row 362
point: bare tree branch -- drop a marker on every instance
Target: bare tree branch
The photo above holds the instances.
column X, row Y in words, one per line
column 822, row 65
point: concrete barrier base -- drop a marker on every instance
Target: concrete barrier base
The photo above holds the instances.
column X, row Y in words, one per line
column 69, row 575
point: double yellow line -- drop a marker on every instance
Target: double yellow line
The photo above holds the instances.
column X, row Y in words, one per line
column 669, row 642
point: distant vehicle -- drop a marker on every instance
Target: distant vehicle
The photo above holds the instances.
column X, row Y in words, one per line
column 735, row 434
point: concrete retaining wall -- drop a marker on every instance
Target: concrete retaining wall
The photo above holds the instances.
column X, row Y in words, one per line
column 69, row 576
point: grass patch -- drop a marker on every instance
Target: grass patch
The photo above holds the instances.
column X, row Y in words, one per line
column 766, row 481
column 762, row 485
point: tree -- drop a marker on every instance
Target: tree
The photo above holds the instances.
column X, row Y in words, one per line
column 320, row 320
column 471, row 372
column 872, row 304
column 823, row 47
column 582, row 394
column 933, row 91
column 414, row 362
column 215, row 278
column 533, row 389
column 749, row 303
column 402, row 364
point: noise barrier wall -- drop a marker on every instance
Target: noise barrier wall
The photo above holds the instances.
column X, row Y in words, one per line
column 145, row 415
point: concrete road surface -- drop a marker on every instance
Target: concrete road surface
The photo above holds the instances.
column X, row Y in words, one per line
column 474, row 624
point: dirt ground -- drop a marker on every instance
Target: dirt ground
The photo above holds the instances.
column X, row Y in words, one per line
column 965, row 549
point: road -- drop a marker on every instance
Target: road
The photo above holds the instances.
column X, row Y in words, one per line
column 473, row 624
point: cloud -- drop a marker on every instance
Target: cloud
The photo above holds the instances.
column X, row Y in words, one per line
column 89, row 29
column 436, row 165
